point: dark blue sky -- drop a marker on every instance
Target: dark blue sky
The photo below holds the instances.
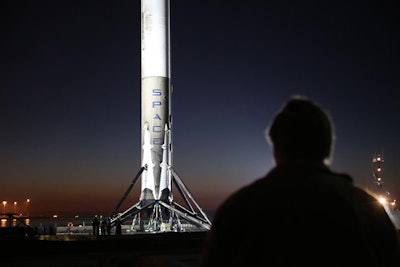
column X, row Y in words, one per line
column 70, row 93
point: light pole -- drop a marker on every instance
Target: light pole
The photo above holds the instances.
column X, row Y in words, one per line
column 27, row 206
column 4, row 204
column 15, row 207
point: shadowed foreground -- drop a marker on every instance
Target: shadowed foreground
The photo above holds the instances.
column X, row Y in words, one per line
column 161, row 249
column 144, row 249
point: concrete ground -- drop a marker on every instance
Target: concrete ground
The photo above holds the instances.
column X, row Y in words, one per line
column 161, row 249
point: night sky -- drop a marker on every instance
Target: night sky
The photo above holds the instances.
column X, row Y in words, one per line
column 70, row 94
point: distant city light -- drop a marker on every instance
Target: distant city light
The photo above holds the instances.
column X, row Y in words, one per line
column 4, row 204
column 27, row 206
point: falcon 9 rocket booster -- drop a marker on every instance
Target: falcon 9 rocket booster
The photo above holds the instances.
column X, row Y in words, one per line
column 156, row 210
column 156, row 100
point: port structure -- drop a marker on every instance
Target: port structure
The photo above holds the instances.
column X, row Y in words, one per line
column 382, row 194
column 377, row 161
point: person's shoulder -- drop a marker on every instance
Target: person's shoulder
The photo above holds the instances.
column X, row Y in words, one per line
column 242, row 197
column 240, row 194
column 364, row 197
column 345, row 177
column 329, row 178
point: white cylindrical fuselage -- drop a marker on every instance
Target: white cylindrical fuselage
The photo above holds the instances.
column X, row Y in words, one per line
column 155, row 92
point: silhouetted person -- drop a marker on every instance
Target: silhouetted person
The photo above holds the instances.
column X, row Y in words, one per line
column 102, row 225
column 118, row 226
column 301, row 213
column 108, row 226
column 95, row 225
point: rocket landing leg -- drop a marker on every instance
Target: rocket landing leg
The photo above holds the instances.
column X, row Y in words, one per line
column 162, row 215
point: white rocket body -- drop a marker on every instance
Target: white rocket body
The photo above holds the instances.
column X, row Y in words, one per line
column 156, row 106
column 156, row 210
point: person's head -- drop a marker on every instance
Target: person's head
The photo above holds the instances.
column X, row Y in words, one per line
column 301, row 130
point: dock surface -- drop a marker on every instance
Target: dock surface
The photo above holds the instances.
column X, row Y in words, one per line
column 146, row 249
